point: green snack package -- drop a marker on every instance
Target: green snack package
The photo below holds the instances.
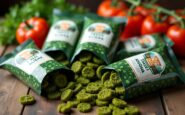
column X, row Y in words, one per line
column 148, row 72
column 36, row 69
column 63, row 36
column 99, row 37
column 140, row 44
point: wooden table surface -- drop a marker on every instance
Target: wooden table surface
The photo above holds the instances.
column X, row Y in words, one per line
column 170, row 101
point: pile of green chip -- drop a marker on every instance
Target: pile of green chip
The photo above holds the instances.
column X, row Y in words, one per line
column 90, row 88
column 60, row 57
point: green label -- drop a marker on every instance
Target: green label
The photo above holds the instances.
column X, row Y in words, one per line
column 140, row 44
column 147, row 66
column 64, row 30
column 100, row 33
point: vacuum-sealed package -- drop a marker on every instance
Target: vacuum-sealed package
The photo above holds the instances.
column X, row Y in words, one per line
column 146, row 72
column 99, row 37
column 140, row 44
column 36, row 69
column 63, row 36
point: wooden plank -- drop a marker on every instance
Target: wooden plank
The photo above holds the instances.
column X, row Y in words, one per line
column 173, row 98
column 10, row 90
column 149, row 104
column 42, row 106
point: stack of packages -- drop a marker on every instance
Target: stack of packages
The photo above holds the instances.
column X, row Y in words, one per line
column 81, row 64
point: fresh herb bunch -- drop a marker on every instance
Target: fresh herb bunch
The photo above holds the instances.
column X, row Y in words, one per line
column 26, row 10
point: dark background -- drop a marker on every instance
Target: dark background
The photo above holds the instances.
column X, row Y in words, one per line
column 92, row 4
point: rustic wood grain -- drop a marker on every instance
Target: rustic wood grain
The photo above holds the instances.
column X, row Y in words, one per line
column 174, row 98
column 149, row 105
column 42, row 106
column 10, row 90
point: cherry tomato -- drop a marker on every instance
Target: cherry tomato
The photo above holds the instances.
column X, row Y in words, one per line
column 177, row 35
column 150, row 26
column 133, row 27
column 35, row 28
column 107, row 10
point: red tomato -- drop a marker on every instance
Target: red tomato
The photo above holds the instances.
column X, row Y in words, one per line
column 107, row 10
column 35, row 28
column 177, row 35
column 133, row 27
column 143, row 11
column 150, row 26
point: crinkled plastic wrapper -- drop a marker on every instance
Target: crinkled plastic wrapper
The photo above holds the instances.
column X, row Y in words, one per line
column 32, row 66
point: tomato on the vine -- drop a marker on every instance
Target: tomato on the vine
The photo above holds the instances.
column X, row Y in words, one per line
column 132, row 27
column 34, row 28
column 177, row 35
column 151, row 26
column 106, row 9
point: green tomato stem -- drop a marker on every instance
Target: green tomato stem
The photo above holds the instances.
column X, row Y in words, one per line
column 168, row 12
column 134, row 2
column 130, row 12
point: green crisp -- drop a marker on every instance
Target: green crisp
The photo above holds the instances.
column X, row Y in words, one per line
column 101, row 103
column 77, row 66
column 88, row 72
column 93, row 88
column 105, row 94
column 84, row 97
column 120, row 90
column 132, row 110
column 108, row 84
column 82, row 80
column 97, row 60
column 77, row 88
column 73, row 103
column 99, row 70
column 93, row 65
column 85, row 56
column 60, row 80
column 104, row 111
column 54, row 95
column 66, row 95
column 115, row 79
column 119, row 112
column 119, row 103
column 27, row 100
column 84, row 107
column 105, row 76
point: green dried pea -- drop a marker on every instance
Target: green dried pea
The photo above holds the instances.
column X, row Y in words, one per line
column 93, row 88
column 27, row 100
column 60, row 80
column 84, row 107
column 88, row 72
column 99, row 70
column 85, row 57
column 105, row 77
column 70, row 85
column 119, row 103
column 97, row 60
column 104, row 111
column 82, row 80
column 54, row 95
column 105, row 94
column 101, row 103
column 119, row 112
column 77, row 67
column 132, row 110
column 114, row 78
column 66, row 95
